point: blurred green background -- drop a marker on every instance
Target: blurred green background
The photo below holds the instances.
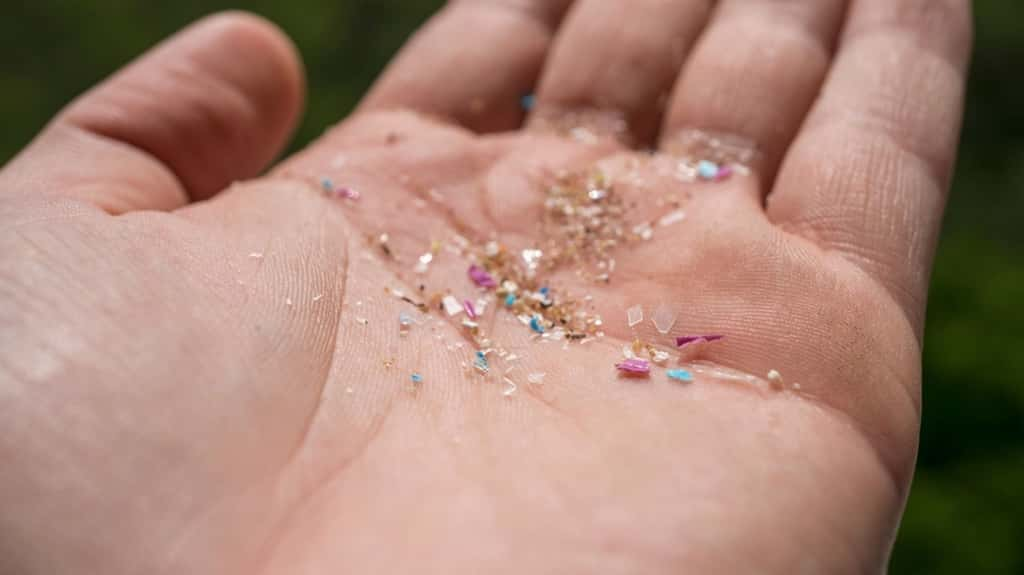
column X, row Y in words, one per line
column 966, row 510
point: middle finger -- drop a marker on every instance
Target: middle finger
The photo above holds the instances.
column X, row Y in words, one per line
column 619, row 58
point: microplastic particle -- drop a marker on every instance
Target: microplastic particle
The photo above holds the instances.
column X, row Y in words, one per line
column 724, row 174
column 532, row 257
column 680, row 375
column 511, row 389
column 363, row 320
column 470, row 309
column 256, row 255
column 423, row 264
column 480, row 363
column 635, row 315
column 416, row 378
column 510, row 300
column 673, row 217
column 528, row 102
column 640, row 367
column 327, row 184
column 348, row 194
column 643, row 231
column 536, row 325
column 775, row 379
column 686, row 340
column 405, row 322
column 664, row 319
column 382, row 241
column 536, row 378
column 660, row 357
column 481, row 277
column 544, row 291
column 452, row 307
column 707, row 170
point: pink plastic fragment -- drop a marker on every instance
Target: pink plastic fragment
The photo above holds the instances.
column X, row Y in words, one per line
column 348, row 193
column 634, row 366
column 724, row 173
column 686, row 340
column 470, row 309
column 481, row 278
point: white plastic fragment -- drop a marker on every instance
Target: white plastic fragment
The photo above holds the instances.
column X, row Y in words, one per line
column 673, row 217
column 452, row 307
column 423, row 264
column 644, row 231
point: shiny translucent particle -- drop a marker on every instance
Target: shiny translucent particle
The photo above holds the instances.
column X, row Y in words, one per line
column 635, row 315
column 664, row 319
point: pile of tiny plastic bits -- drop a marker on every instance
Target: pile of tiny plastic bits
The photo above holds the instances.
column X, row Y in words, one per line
column 584, row 222
column 535, row 305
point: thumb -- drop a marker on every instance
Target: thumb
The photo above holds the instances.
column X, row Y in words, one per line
column 212, row 104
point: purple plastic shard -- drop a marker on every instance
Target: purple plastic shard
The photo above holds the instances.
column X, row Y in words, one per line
column 686, row 340
column 481, row 278
column 470, row 309
column 634, row 366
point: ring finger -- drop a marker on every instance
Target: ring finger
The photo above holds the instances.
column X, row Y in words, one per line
column 755, row 73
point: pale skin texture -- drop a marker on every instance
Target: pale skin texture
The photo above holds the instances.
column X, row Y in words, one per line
column 186, row 387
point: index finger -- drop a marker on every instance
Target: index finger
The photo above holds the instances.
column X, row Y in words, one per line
column 868, row 174
column 472, row 63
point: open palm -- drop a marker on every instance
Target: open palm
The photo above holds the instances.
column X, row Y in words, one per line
column 204, row 381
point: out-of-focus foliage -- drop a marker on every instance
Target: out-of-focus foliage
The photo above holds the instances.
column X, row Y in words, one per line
column 966, row 510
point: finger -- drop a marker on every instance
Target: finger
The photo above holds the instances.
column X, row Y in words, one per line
column 868, row 174
column 755, row 73
column 621, row 57
column 472, row 63
column 211, row 105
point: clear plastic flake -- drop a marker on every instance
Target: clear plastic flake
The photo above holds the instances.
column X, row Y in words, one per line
column 664, row 319
column 635, row 315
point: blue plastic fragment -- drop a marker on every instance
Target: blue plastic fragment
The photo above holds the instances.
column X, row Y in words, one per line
column 528, row 102
column 707, row 170
column 510, row 300
column 417, row 378
column 327, row 184
column 481, row 362
column 680, row 375
column 544, row 291
column 535, row 324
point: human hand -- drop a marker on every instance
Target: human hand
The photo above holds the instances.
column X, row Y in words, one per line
column 204, row 381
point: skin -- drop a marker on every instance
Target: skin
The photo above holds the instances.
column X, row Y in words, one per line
column 187, row 384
